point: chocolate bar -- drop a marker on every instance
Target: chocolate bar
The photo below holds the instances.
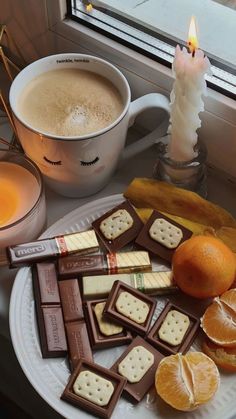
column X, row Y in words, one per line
column 27, row 253
column 76, row 329
column 130, row 307
column 112, row 263
column 108, row 383
column 135, row 391
column 159, row 245
column 154, row 339
column 98, row 339
column 78, row 343
column 71, row 300
column 118, row 227
column 48, row 312
column 151, row 283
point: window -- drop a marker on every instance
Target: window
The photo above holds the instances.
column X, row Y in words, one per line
column 153, row 27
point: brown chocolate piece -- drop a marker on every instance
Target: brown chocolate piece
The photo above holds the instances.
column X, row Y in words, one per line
column 145, row 241
column 54, row 329
column 71, row 300
column 110, row 310
column 46, row 281
column 78, row 343
column 49, row 318
column 125, row 238
column 193, row 329
column 72, row 266
column 102, row 411
column 136, row 391
column 44, row 249
column 99, row 340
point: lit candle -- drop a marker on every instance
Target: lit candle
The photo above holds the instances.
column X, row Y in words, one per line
column 189, row 69
column 20, row 191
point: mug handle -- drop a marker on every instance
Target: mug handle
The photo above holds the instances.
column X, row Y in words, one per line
column 151, row 100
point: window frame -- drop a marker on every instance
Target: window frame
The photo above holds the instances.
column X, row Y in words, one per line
column 126, row 58
column 152, row 45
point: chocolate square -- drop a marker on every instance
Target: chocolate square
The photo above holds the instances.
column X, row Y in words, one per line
column 78, row 343
column 125, row 238
column 111, row 312
column 191, row 333
column 51, row 331
column 78, row 401
column 97, row 338
column 145, row 240
column 136, row 391
column 71, row 300
column 45, row 279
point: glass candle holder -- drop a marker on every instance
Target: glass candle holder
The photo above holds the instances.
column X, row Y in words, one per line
column 191, row 175
column 22, row 201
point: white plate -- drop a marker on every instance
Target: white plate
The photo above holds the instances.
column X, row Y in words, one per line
column 49, row 376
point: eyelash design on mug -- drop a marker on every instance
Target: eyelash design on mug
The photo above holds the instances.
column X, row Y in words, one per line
column 54, row 163
column 89, row 163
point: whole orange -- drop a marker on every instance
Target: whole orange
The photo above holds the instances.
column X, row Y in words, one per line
column 203, row 267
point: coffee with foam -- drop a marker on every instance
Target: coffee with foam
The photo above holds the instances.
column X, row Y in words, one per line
column 69, row 102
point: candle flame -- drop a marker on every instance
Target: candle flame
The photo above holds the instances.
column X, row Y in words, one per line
column 89, row 7
column 192, row 36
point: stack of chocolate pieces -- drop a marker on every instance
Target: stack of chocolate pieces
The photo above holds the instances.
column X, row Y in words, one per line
column 93, row 301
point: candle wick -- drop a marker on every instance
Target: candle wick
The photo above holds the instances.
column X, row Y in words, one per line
column 189, row 46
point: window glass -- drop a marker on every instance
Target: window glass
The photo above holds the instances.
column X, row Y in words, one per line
column 154, row 27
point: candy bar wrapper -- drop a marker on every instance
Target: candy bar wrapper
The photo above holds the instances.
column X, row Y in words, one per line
column 27, row 253
column 152, row 283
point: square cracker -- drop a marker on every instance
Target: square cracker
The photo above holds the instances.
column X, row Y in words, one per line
column 136, row 363
column 116, row 224
column 94, row 388
column 174, row 327
column 132, row 307
column 165, row 233
column 106, row 327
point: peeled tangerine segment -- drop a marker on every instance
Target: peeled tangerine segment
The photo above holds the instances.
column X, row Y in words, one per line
column 187, row 381
column 219, row 320
column 223, row 357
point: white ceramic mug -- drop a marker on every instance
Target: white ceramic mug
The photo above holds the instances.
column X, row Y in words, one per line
column 61, row 159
